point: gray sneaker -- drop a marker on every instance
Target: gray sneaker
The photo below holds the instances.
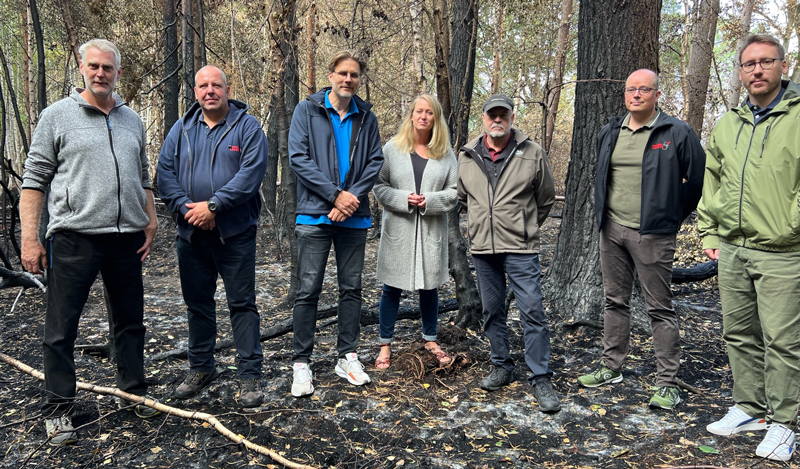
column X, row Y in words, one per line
column 251, row 394
column 195, row 382
column 498, row 378
column 546, row 396
column 141, row 410
column 60, row 431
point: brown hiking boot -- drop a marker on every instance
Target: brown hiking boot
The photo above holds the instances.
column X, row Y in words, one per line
column 195, row 382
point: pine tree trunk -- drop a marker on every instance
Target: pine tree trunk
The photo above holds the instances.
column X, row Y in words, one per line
column 606, row 28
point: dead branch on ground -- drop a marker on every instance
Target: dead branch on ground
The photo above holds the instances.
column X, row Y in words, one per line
column 210, row 419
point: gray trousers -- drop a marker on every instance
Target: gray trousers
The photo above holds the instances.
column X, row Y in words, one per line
column 622, row 250
column 523, row 272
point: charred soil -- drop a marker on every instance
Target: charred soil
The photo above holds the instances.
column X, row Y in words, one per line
column 413, row 415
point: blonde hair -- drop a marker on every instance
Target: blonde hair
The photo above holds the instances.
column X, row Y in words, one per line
column 439, row 145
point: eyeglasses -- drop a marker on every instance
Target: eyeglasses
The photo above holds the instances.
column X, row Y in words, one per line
column 643, row 90
column 766, row 64
column 353, row 75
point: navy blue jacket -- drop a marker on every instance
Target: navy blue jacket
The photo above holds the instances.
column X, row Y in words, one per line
column 231, row 174
column 312, row 156
column 673, row 166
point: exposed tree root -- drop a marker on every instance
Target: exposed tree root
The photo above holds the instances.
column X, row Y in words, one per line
column 210, row 419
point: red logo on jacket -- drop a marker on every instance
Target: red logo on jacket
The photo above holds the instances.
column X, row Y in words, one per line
column 661, row 146
column 234, row 148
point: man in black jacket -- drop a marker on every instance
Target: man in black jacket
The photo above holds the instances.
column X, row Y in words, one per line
column 649, row 179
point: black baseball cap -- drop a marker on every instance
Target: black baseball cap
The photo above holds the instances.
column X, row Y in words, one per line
column 498, row 100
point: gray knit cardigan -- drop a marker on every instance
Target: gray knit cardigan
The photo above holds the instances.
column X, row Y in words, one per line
column 413, row 248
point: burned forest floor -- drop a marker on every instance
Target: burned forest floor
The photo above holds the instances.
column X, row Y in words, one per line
column 412, row 415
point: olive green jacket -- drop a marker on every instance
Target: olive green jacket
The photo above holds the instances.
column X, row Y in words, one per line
column 506, row 219
column 752, row 181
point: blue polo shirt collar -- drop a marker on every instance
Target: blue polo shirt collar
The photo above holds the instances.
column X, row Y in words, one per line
column 353, row 108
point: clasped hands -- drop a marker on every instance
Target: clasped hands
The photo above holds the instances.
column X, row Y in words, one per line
column 200, row 216
column 344, row 206
column 416, row 200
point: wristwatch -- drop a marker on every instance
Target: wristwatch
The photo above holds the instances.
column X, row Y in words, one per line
column 212, row 206
column 336, row 194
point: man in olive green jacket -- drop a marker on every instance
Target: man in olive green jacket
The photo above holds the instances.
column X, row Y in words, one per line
column 750, row 221
column 505, row 184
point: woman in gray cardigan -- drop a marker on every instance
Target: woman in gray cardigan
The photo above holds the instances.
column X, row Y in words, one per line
column 417, row 187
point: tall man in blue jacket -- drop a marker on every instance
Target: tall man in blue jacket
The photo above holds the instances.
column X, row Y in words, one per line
column 335, row 152
column 649, row 179
column 209, row 172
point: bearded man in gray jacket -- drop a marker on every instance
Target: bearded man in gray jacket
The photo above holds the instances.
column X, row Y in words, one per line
column 89, row 150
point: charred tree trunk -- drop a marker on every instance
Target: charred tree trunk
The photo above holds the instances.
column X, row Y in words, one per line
column 703, row 31
column 287, row 91
column 70, row 27
column 554, row 90
column 462, row 67
column 269, row 187
column 29, row 78
column 605, row 27
column 497, row 64
column 420, row 82
column 442, row 41
column 172, row 83
column 311, row 57
column 200, row 30
column 41, row 85
column 456, row 102
column 744, row 30
column 188, row 53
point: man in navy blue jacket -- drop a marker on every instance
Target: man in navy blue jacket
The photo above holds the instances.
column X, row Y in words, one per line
column 335, row 152
column 209, row 172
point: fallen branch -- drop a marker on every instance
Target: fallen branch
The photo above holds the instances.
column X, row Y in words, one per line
column 210, row 419
column 694, row 273
column 369, row 316
column 12, row 278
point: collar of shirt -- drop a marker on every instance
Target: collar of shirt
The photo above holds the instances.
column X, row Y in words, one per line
column 759, row 112
column 201, row 119
column 495, row 152
column 335, row 113
column 649, row 124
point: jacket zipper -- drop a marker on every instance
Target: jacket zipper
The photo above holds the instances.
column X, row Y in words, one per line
column 116, row 167
column 491, row 192
column 741, row 186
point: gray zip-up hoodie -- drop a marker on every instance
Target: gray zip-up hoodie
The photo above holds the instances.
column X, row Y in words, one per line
column 95, row 165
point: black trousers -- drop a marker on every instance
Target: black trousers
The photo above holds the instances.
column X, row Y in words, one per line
column 74, row 261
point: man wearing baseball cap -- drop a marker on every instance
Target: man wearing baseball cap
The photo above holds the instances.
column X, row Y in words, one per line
column 504, row 182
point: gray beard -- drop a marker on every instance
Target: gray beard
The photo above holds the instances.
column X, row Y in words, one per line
column 497, row 134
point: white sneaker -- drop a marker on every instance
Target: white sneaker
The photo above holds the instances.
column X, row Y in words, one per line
column 352, row 369
column 60, row 431
column 778, row 445
column 736, row 421
column 303, row 380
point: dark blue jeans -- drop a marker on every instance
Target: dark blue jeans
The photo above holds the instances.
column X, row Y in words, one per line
column 200, row 261
column 74, row 261
column 523, row 272
column 390, row 303
column 313, row 245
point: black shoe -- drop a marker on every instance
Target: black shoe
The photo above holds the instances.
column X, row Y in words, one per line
column 195, row 382
column 498, row 378
column 546, row 396
column 141, row 410
column 251, row 394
